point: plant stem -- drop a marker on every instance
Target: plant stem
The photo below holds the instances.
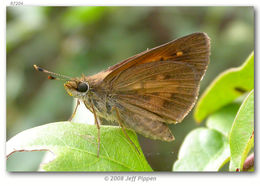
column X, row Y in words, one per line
column 249, row 163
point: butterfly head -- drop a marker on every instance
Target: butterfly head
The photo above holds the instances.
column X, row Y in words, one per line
column 77, row 88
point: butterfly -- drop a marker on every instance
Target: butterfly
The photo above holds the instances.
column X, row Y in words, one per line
column 146, row 92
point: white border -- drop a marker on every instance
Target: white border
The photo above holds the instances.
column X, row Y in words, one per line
column 136, row 3
column 91, row 178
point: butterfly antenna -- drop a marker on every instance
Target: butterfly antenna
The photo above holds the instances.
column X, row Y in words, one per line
column 52, row 74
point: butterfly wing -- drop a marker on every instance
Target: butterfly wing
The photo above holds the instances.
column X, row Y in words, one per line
column 162, row 83
column 193, row 49
column 167, row 89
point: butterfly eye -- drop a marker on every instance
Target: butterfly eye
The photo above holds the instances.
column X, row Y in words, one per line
column 82, row 87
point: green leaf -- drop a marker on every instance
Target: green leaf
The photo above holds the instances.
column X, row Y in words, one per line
column 203, row 150
column 241, row 135
column 74, row 147
column 223, row 119
column 226, row 88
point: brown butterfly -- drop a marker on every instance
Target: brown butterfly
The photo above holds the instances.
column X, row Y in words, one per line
column 145, row 92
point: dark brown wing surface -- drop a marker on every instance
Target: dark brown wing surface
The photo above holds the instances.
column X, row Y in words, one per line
column 167, row 89
column 193, row 49
column 163, row 81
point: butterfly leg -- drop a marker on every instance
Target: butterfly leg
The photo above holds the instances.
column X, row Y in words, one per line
column 123, row 128
column 75, row 110
column 98, row 127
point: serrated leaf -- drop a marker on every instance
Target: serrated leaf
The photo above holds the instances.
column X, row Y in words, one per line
column 226, row 88
column 223, row 119
column 241, row 135
column 74, row 147
column 202, row 150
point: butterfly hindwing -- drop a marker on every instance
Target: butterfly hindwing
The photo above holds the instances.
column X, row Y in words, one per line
column 167, row 89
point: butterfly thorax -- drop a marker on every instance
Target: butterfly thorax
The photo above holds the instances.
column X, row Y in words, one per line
column 102, row 106
column 90, row 90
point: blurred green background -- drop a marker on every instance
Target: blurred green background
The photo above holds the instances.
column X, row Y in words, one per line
column 76, row 40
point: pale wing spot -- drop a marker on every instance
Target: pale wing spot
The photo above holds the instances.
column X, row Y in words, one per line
column 180, row 53
column 137, row 86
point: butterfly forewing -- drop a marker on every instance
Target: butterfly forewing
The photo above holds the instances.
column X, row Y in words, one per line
column 193, row 49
